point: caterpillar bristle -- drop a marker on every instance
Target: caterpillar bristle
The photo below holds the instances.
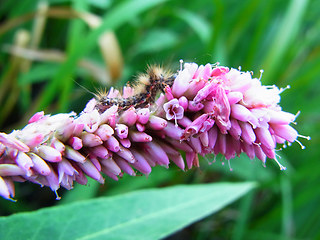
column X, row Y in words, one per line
column 145, row 88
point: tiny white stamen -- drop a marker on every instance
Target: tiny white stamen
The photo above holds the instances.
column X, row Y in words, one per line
column 11, row 199
column 279, row 164
column 261, row 71
column 301, row 145
column 175, row 119
column 57, row 195
column 205, row 157
column 283, row 89
column 305, row 137
column 181, row 62
column 229, row 164
column 214, row 158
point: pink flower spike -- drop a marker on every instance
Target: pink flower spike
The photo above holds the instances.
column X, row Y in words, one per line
column 39, row 164
column 36, row 117
column 75, row 143
column 173, row 131
column 90, row 120
column 110, row 174
column 121, row 131
column 74, row 155
column 59, row 146
column 125, row 142
column 205, row 91
column 91, row 171
column 12, row 142
column 204, row 138
column 178, row 160
column 159, row 155
column 191, row 159
column 126, row 154
column 140, row 127
column 218, row 71
column 183, row 102
column 78, row 128
column 248, row 149
column 53, row 181
column 207, row 125
column 143, row 115
column 168, row 93
column 173, row 110
column 235, row 129
column 90, row 106
column 280, row 117
column 264, row 137
column 195, row 126
column 247, row 133
column 181, row 83
column 259, row 153
column 212, row 135
column 234, row 97
column 124, row 165
column 181, row 145
column 109, row 114
column 129, row 117
column 65, row 167
column 140, row 137
column 110, row 164
column 184, row 122
column 285, row 131
column 90, row 139
column 50, row 154
column 112, row 144
column 156, row 123
column 96, row 163
column 4, row 190
column 104, row 132
column 203, row 110
column 101, row 152
column 195, row 107
column 195, row 144
column 33, row 140
column 241, row 113
column 141, row 164
column 10, row 170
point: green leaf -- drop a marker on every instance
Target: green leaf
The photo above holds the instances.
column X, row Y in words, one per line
column 38, row 73
column 198, row 24
column 157, row 40
column 285, row 35
column 145, row 214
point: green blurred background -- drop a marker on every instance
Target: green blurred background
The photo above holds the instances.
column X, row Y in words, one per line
column 55, row 54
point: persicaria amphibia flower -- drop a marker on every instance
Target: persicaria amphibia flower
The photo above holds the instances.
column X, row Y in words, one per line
column 207, row 109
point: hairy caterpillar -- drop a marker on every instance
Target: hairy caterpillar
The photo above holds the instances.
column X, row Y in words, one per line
column 148, row 86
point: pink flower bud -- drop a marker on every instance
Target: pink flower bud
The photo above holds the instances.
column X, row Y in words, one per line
column 104, row 131
column 156, row 123
column 121, row 131
column 143, row 115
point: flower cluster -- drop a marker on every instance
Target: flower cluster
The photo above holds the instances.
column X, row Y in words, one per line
column 207, row 109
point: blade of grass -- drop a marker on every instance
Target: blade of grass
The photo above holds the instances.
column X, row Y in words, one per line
column 285, row 35
column 77, row 28
column 112, row 20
